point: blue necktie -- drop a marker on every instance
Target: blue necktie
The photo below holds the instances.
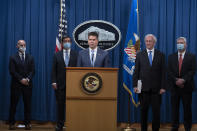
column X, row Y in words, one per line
column 66, row 58
column 92, row 58
column 150, row 57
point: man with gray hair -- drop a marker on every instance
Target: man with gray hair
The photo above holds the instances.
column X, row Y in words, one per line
column 150, row 69
column 181, row 70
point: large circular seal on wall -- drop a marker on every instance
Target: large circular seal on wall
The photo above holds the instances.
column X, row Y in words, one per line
column 109, row 34
column 91, row 83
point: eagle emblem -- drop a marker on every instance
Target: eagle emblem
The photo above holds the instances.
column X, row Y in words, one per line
column 131, row 49
column 91, row 83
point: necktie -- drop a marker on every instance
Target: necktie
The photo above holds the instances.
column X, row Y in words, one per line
column 180, row 63
column 22, row 58
column 66, row 58
column 92, row 58
column 150, row 57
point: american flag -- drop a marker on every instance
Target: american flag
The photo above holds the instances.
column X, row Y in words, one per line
column 62, row 27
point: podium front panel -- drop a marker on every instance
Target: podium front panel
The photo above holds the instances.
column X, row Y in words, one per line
column 91, row 112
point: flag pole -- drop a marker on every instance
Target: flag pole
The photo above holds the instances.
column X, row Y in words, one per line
column 61, row 15
column 128, row 127
column 138, row 20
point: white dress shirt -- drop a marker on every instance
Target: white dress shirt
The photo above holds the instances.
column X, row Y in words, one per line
column 20, row 54
column 153, row 51
column 183, row 54
column 64, row 54
column 90, row 53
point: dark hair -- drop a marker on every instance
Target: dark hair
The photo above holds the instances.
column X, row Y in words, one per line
column 93, row 34
column 64, row 37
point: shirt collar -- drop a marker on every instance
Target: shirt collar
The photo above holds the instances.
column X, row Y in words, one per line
column 64, row 51
column 95, row 50
column 20, row 54
column 150, row 50
column 183, row 53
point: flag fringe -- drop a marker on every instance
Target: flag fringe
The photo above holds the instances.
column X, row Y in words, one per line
column 131, row 94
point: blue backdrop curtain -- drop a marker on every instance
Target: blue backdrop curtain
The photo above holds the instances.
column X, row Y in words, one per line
column 36, row 21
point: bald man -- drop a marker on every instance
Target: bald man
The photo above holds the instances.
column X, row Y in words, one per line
column 21, row 67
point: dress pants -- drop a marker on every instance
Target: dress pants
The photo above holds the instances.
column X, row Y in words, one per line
column 187, row 103
column 16, row 92
column 150, row 99
column 60, row 102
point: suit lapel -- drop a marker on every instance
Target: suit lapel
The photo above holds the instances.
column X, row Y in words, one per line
column 62, row 57
column 87, row 54
column 98, row 55
column 155, row 56
column 19, row 58
column 69, row 62
column 176, row 62
column 26, row 57
column 70, row 59
column 184, row 59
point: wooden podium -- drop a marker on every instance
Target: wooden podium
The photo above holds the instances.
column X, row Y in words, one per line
column 91, row 112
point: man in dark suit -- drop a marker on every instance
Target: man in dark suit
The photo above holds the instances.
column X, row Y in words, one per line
column 181, row 70
column 62, row 59
column 93, row 56
column 21, row 67
column 150, row 69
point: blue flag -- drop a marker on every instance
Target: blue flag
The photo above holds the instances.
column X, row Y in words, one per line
column 132, row 46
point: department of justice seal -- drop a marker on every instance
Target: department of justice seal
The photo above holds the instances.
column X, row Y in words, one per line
column 109, row 34
column 91, row 83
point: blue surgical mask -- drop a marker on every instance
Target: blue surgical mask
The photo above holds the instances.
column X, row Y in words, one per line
column 22, row 49
column 67, row 45
column 180, row 46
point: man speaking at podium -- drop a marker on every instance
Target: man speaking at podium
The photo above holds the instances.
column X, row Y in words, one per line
column 93, row 56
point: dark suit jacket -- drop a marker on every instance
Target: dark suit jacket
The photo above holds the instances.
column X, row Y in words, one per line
column 58, row 68
column 102, row 59
column 187, row 72
column 19, row 70
column 153, row 77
